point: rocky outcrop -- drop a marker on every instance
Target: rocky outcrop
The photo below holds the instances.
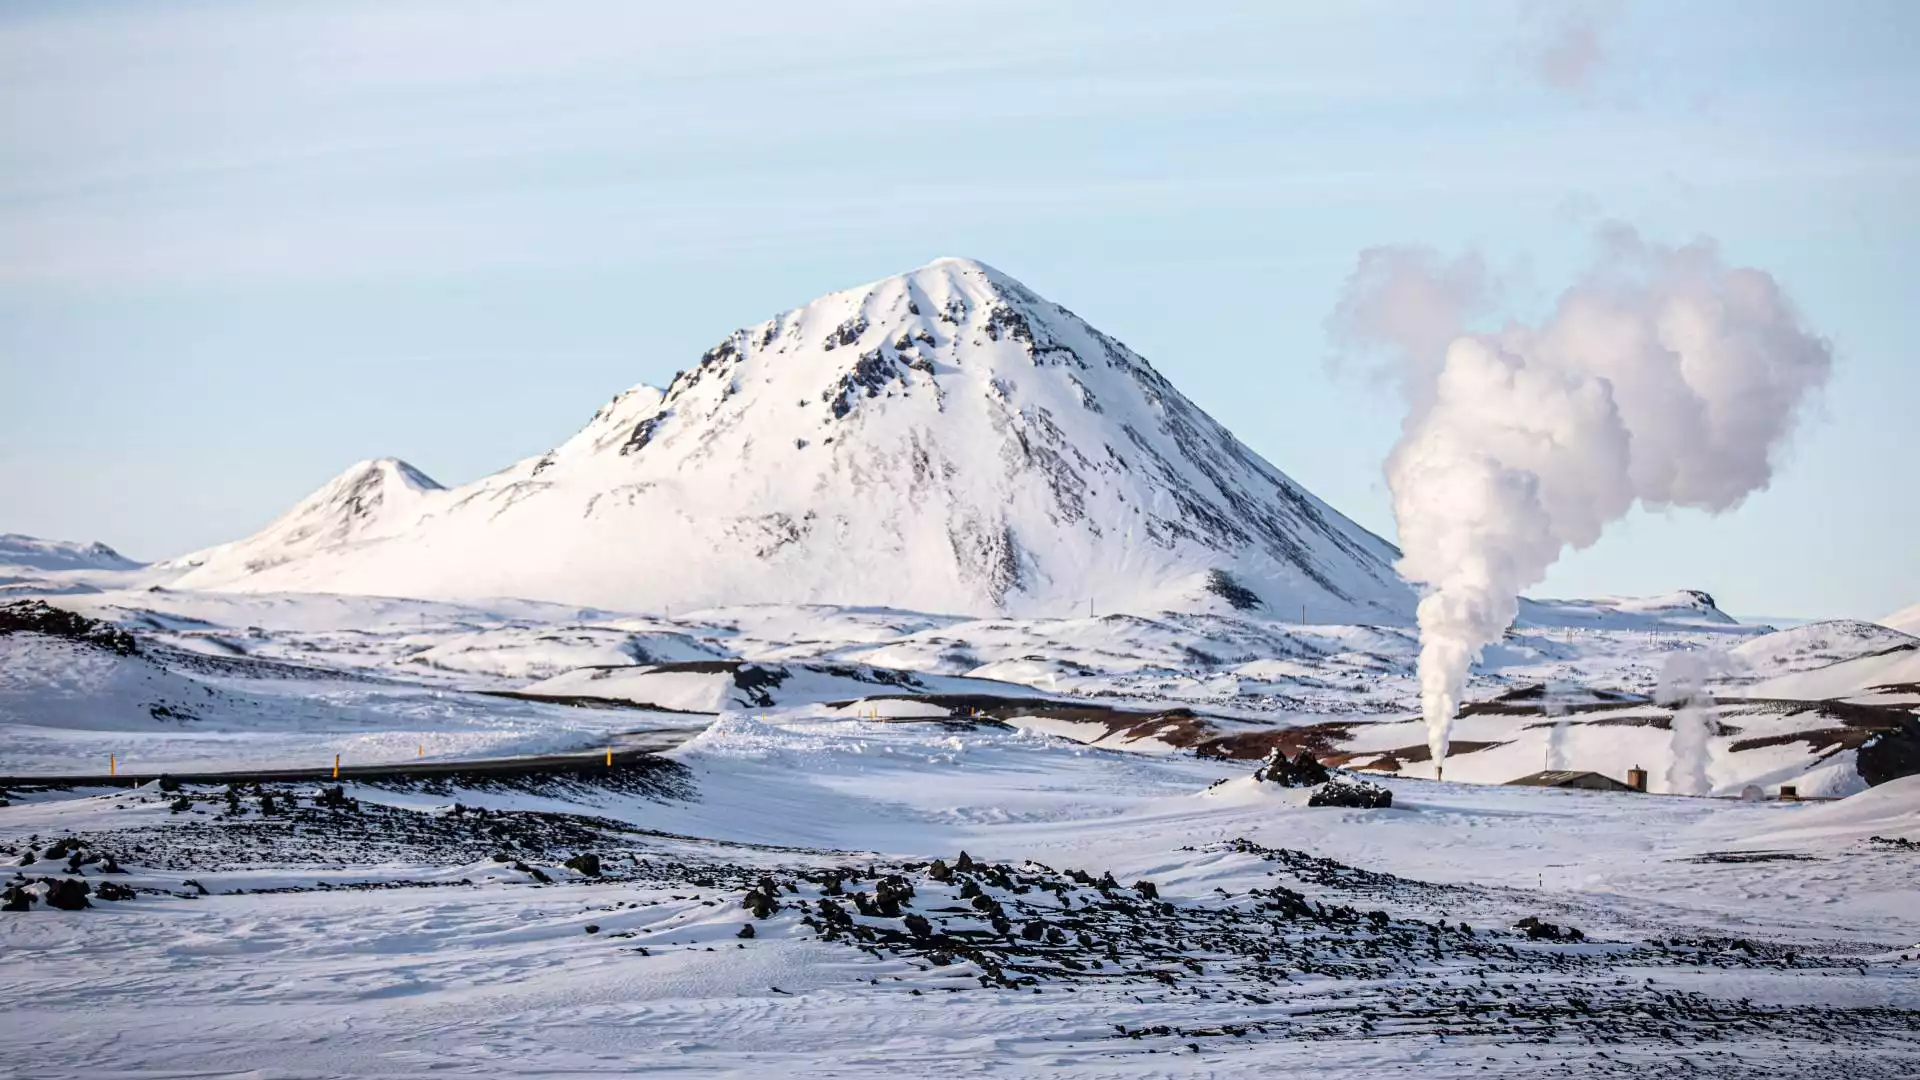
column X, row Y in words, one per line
column 1353, row 794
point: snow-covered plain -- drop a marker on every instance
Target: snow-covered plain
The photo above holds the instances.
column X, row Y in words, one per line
column 287, row 680
column 1785, row 935
column 1723, row 937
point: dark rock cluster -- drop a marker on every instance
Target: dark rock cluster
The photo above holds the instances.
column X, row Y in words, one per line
column 1540, row 930
column 1329, row 789
column 1222, row 584
column 1303, row 771
column 67, row 894
column 1030, row 927
column 40, row 617
column 1348, row 792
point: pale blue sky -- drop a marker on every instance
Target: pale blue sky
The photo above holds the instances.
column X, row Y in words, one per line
column 245, row 244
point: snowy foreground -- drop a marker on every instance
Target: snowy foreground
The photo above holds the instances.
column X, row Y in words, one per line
column 1721, row 937
column 1126, row 906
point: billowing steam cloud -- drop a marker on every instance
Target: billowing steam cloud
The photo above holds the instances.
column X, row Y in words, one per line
column 1662, row 377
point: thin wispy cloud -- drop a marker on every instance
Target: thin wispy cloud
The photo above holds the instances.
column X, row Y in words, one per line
column 1571, row 47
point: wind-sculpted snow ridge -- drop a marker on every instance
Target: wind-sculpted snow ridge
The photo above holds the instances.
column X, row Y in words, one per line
column 943, row 440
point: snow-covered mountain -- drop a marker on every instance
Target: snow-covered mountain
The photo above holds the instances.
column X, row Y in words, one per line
column 1685, row 607
column 32, row 566
column 942, row 440
column 371, row 501
column 32, row 553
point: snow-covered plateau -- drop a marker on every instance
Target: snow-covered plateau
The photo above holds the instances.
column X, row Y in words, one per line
column 903, row 691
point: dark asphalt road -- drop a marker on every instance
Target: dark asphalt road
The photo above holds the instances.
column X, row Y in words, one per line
column 628, row 747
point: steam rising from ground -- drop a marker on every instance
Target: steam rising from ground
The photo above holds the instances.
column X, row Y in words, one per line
column 1556, row 706
column 1661, row 377
column 1683, row 686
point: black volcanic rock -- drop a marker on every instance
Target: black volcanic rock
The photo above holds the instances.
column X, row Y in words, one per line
column 1303, row 771
column 40, row 617
column 1354, row 794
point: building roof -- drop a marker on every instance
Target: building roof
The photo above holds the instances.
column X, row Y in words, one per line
column 1570, row 778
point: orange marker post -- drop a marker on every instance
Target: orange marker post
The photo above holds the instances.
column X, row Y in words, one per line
column 336, row 766
column 113, row 765
column 609, row 757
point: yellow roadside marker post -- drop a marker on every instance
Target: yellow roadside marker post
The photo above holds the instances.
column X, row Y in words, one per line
column 113, row 765
column 336, row 766
column 609, row 757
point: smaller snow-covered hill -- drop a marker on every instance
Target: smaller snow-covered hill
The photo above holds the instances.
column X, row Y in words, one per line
column 1890, row 676
column 33, row 553
column 31, row 566
column 1840, row 659
column 1689, row 608
column 1906, row 620
column 1815, row 645
column 371, row 501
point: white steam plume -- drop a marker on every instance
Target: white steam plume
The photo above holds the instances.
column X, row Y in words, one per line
column 1662, row 377
column 1683, row 687
column 1556, row 707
